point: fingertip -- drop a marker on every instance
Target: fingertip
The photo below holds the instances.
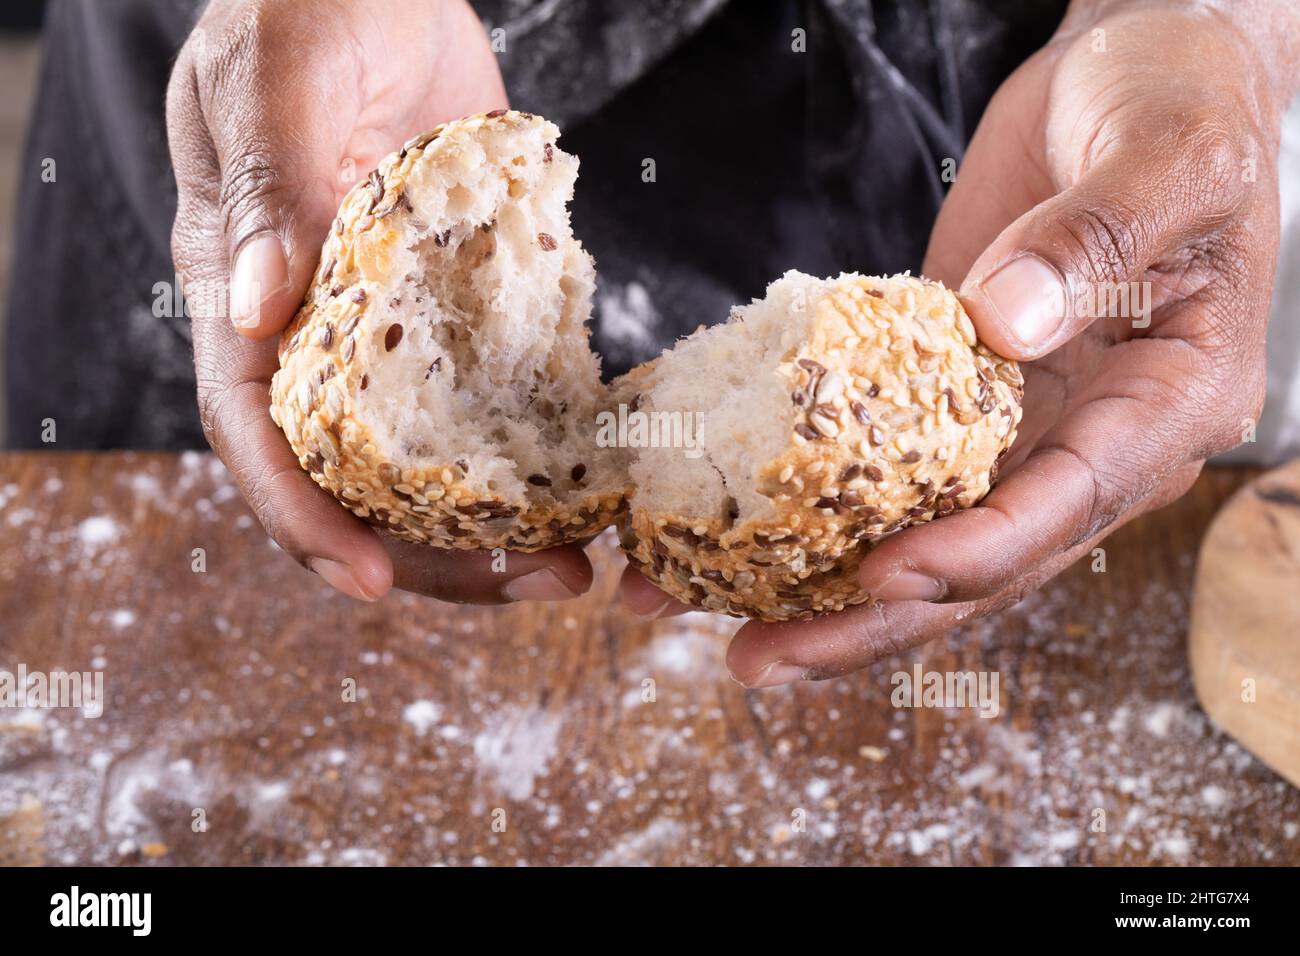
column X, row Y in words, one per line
column 573, row 568
column 889, row 577
column 1018, row 307
column 755, row 660
column 643, row 599
column 374, row 573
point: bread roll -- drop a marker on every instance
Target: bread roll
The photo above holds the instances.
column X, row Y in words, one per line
column 438, row 381
column 831, row 414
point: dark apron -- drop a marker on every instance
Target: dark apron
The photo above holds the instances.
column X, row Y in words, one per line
column 780, row 134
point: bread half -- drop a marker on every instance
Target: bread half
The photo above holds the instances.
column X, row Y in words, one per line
column 828, row 415
column 437, row 379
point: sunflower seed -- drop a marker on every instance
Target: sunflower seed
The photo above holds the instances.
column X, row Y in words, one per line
column 830, row 387
column 823, row 425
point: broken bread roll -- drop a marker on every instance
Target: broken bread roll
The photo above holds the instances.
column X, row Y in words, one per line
column 830, row 414
column 437, row 379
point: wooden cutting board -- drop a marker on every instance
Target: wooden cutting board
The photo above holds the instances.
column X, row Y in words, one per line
column 1245, row 624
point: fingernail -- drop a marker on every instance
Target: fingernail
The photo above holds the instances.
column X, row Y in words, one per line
column 906, row 585
column 261, row 270
column 774, row 675
column 541, row 585
column 655, row 611
column 1028, row 297
column 340, row 577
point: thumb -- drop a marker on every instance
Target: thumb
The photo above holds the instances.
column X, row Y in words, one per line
column 259, row 122
column 1073, row 258
column 277, row 212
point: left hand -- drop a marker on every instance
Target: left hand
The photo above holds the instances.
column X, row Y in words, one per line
column 1137, row 150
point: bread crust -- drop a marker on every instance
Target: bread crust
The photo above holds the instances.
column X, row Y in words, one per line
column 323, row 369
column 901, row 417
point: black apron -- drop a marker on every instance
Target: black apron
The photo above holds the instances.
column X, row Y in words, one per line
column 722, row 143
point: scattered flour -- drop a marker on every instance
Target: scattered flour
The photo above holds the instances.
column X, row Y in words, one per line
column 121, row 618
column 515, row 748
column 97, row 531
column 422, row 715
column 1160, row 718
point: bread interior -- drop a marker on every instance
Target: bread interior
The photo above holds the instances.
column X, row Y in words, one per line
column 480, row 356
column 728, row 379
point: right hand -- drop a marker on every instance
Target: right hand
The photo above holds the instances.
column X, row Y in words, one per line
column 274, row 110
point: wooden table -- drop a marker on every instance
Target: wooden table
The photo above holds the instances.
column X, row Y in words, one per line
column 522, row 735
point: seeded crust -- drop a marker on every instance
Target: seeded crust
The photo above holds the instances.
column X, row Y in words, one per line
column 901, row 416
column 323, row 369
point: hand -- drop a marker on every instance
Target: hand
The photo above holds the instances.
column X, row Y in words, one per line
column 1146, row 165
column 274, row 109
